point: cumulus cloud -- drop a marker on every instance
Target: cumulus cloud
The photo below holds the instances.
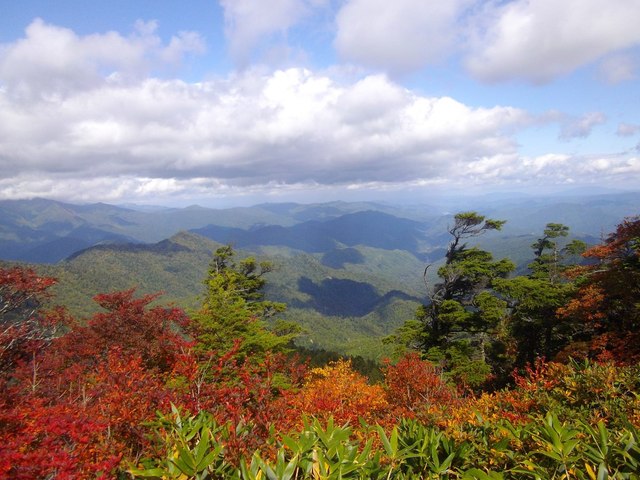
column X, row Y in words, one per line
column 581, row 127
column 539, row 40
column 248, row 23
column 52, row 60
column 397, row 36
column 532, row 40
column 290, row 126
column 115, row 135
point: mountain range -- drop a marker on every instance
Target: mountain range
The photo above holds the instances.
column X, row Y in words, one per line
column 350, row 272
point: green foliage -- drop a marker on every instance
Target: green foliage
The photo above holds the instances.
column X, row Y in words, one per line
column 463, row 324
column 548, row 448
column 234, row 308
column 533, row 321
column 549, row 255
column 191, row 447
column 535, row 298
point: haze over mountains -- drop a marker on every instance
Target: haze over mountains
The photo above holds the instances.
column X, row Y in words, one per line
column 349, row 272
column 47, row 231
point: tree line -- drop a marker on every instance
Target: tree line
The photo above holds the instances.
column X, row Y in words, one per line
column 480, row 322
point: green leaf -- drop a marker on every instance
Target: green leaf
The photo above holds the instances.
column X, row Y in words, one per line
column 477, row 474
column 201, row 448
column 290, row 470
column 386, row 443
column 184, row 463
column 603, row 473
column 149, row 473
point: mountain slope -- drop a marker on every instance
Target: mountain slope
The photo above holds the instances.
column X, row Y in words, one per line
column 370, row 228
column 41, row 230
column 336, row 306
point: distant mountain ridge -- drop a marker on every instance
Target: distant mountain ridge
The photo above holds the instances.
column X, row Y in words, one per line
column 48, row 231
column 371, row 228
column 350, row 272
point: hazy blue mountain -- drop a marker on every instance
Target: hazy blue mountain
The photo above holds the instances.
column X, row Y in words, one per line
column 370, row 228
column 592, row 215
column 46, row 231
column 41, row 230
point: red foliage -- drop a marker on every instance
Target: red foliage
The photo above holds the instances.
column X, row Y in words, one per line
column 135, row 327
column 112, row 375
column 84, row 429
column 535, row 378
column 412, row 385
column 21, row 329
column 75, row 408
column 235, row 391
column 19, row 286
column 62, row 441
column 607, row 302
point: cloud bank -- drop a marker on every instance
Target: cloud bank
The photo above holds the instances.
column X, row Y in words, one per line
column 539, row 40
column 96, row 116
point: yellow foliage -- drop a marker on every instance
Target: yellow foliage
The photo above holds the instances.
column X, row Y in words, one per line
column 338, row 391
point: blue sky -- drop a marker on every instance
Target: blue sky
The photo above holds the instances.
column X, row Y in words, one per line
column 242, row 101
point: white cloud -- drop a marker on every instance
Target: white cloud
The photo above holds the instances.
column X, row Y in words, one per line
column 397, row 36
column 88, row 127
column 581, row 127
column 627, row 129
column 539, row 40
column 249, row 22
column 287, row 127
column 52, row 61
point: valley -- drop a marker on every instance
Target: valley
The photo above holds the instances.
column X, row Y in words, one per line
column 350, row 273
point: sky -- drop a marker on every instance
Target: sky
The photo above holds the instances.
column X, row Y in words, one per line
column 234, row 102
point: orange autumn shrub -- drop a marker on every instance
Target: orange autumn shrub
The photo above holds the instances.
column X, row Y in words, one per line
column 415, row 387
column 338, row 391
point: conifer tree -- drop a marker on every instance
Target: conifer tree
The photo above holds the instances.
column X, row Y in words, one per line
column 534, row 298
column 234, row 308
column 462, row 324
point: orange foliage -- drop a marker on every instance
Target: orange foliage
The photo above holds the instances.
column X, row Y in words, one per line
column 338, row 391
column 607, row 304
column 586, row 304
column 414, row 385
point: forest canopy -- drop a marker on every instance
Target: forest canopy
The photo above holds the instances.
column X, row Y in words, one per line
column 497, row 376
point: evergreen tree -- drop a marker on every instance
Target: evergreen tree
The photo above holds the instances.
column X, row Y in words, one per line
column 463, row 324
column 534, row 298
column 234, row 308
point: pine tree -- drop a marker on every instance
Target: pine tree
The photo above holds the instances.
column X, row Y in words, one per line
column 534, row 298
column 462, row 325
column 234, row 308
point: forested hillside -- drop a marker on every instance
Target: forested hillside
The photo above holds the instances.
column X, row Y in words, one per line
column 499, row 375
column 47, row 231
column 346, row 300
column 349, row 272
